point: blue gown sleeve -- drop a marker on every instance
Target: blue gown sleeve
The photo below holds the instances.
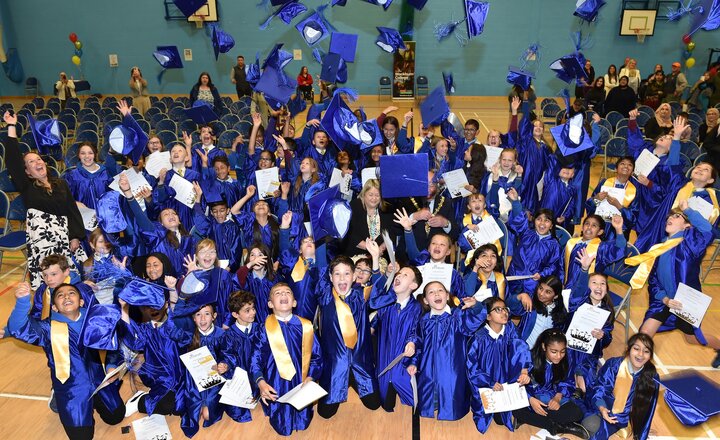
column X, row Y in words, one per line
column 21, row 326
column 379, row 297
column 410, row 246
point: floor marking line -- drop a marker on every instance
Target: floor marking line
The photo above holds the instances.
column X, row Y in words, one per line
column 24, row 396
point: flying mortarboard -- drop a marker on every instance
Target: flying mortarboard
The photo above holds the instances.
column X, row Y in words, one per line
column 344, row 45
column 404, row 175
column 329, row 214
column 109, row 214
column 189, row 7
column 128, row 139
column 99, row 328
column 708, row 19
column 222, row 41
column 571, row 137
column 331, row 68
column 389, row 39
column 475, row 15
column 366, row 134
column 276, row 86
column 194, row 287
column 449, row 82
column 588, row 9
column 277, row 58
column 201, row 112
column 168, row 57
column 384, row 3
column 46, row 134
column 212, row 191
column 139, row 292
column 570, row 67
column 434, row 108
column 296, row 105
column 338, row 116
column 339, row 2
column 286, row 13
column 314, row 28
column 691, row 397
column 519, row 77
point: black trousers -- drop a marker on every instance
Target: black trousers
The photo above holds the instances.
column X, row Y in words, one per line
column 567, row 414
column 166, row 405
column 371, row 401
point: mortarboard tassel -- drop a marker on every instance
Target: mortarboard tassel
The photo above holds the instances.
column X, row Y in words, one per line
column 443, row 30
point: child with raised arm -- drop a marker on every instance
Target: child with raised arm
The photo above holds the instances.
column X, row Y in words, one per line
column 285, row 354
column 219, row 227
column 486, row 276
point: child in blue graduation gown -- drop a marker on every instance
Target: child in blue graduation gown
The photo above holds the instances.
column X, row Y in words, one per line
column 257, row 225
column 345, row 339
column 551, row 388
column 496, row 356
column 398, row 314
column 440, row 347
column 590, row 289
column 89, row 180
column 218, row 173
column 286, row 353
column 546, row 309
column 607, row 252
column 506, row 174
column 486, row 277
column 257, row 276
column 533, row 152
column 203, row 405
column 470, row 222
column 56, row 271
column 623, row 180
column 73, row 381
column 219, row 227
column 626, row 394
column 538, row 252
column 169, row 237
column 559, row 192
column 236, row 347
column 164, row 195
column 702, row 178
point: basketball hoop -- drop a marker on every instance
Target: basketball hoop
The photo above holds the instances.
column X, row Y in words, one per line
column 640, row 34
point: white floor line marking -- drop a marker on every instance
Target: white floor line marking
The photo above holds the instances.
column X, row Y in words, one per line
column 13, row 270
column 24, row 396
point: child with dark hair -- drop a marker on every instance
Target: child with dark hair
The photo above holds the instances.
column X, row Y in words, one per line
column 257, row 276
column 486, row 276
column 56, row 271
column 627, row 207
column 547, row 309
column 477, row 213
column 220, row 227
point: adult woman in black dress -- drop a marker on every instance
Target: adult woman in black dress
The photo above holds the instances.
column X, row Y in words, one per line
column 369, row 218
column 621, row 99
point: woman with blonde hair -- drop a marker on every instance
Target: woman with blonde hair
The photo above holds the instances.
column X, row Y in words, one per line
column 369, row 218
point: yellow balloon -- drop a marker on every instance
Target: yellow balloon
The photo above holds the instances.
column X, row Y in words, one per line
column 78, row 45
column 691, row 46
column 76, row 60
column 690, row 62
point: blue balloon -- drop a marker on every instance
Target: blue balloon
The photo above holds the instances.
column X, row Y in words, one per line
column 686, row 54
column 78, row 52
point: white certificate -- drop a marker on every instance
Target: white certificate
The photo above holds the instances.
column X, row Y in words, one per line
column 390, row 248
column 586, row 319
column 517, row 277
column 237, row 391
column 435, row 272
column 482, row 294
column 117, row 373
column 493, row 156
column 268, row 181
column 152, row 427
column 455, row 182
column 702, row 206
column 505, row 205
column 89, row 218
column 694, row 304
column 566, row 298
column 368, row 173
column 156, row 162
column 200, row 363
column 604, row 208
column 137, row 181
column 488, row 232
column 184, row 191
column 303, row 395
column 513, row 396
column 540, row 186
column 645, row 163
column 338, row 178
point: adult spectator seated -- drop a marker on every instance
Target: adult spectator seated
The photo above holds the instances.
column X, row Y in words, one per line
column 709, row 128
column 204, row 90
column 305, row 83
column 611, row 79
column 661, row 124
column 633, row 74
column 65, row 89
column 710, row 137
column 655, row 90
column 595, row 97
column 621, row 99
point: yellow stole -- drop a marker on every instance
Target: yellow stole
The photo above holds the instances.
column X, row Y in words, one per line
column 645, row 261
column 591, row 248
column 348, row 329
column 467, row 220
column 60, row 341
column 499, row 281
column 416, row 147
column 298, row 272
column 621, row 391
column 46, row 300
column 366, row 292
column 279, row 349
column 687, row 191
column 630, row 191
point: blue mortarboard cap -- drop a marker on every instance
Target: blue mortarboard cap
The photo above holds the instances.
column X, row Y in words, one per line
column 476, row 13
column 296, row 105
column 708, row 19
column 588, row 9
column 222, row 41
column 449, row 82
column 344, row 45
column 189, row 7
column 201, row 112
column 313, row 28
column 691, row 397
column 212, row 191
column 338, row 116
column 363, row 116
column 99, row 327
column 109, row 213
column 389, row 39
column 168, row 57
column 194, row 288
column 286, row 13
column 417, row 4
column 138, row 292
column 339, row 2
column 571, row 137
column 519, row 77
column 315, row 111
column 404, row 175
column 434, row 108
column 252, row 75
column 128, row 139
column 384, row 3
column 570, row 67
column 330, row 67
column 276, row 86
column 366, row 134
column 275, row 2
column 329, row 214
column 277, row 58
column 46, row 134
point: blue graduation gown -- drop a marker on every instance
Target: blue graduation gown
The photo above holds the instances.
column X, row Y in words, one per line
column 419, row 258
column 338, row 359
column 491, row 361
column 528, row 321
column 260, row 287
column 212, row 154
column 473, row 283
column 236, row 349
column 533, row 157
column 303, row 289
column 629, row 213
column 604, row 396
column 285, row 418
column 162, row 370
column 246, row 222
column 491, row 190
column 164, row 197
column 607, row 253
column 75, row 406
column 440, row 348
column 395, row 327
column 558, row 195
column 545, row 391
column 227, row 236
column 195, row 399
column 87, row 187
column 222, row 284
column 86, row 293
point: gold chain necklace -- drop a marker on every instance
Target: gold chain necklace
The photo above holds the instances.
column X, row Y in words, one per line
column 437, row 209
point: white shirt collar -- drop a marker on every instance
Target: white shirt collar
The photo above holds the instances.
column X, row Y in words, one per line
column 403, row 303
column 284, row 319
column 434, row 312
column 492, row 333
column 158, row 324
column 244, row 327
column 208, row 148
column 210, row 330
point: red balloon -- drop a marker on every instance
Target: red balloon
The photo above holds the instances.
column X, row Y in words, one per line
column 73, row 37
column 686, row 39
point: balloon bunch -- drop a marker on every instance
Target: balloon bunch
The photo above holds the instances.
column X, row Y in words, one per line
column 77, row 58
column 687, row 53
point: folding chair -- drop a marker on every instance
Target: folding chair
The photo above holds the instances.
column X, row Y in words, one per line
column 563, row 236
column 9, row 241
column 621, row 272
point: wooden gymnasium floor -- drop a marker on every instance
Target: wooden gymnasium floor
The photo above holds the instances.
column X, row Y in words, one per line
column 25, row 384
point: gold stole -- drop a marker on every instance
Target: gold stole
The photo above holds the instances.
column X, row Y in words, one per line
column 687, row 191
column 279, row 349
column 46, row 300
column 499, row 281
column 348, row 329
column 467, row 220
column 60, row 341
column 630, row 191
column 621, row 391
column 366, row 292
column 591, row 248
column 645, row 261
column 298, row 272
column 416, row 147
